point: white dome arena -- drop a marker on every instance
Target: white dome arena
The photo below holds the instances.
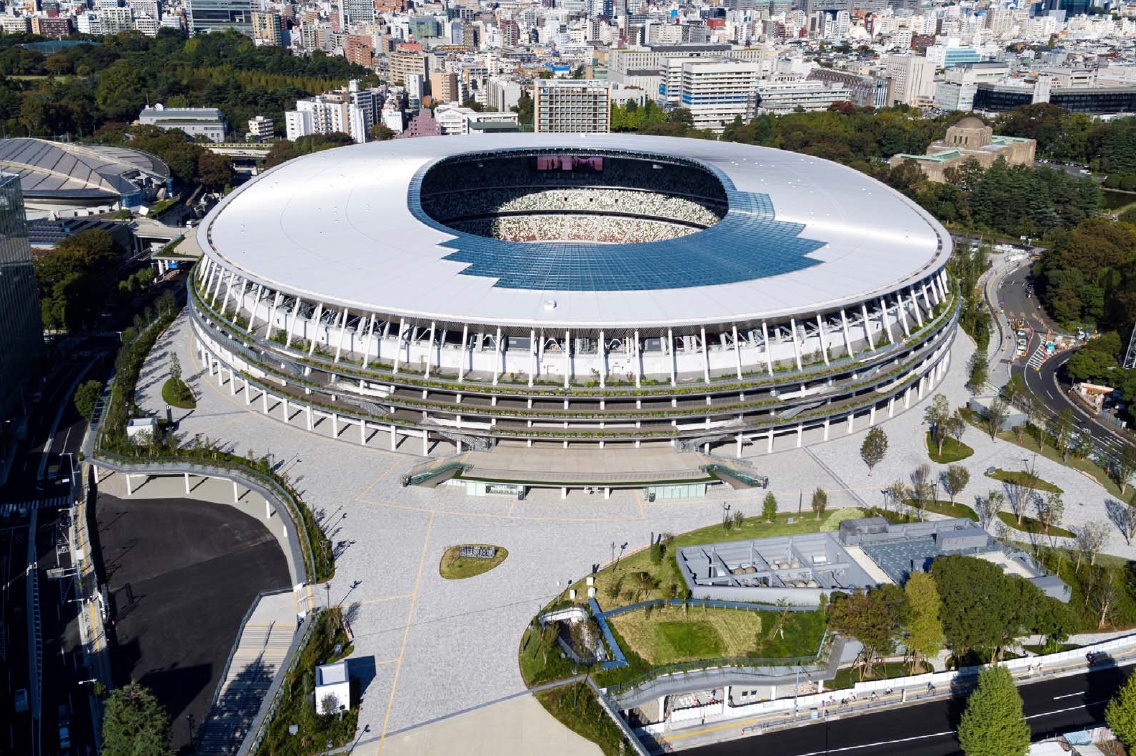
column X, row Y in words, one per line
column 569, row 289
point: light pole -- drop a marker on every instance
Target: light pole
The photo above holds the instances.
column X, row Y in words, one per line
column 725, row 514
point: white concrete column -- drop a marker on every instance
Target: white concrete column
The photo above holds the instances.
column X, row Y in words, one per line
column 901, row 311
column 232, row 382
column 187, row 484
column 796, row 346
column 342, row 335
column 769, row 448
column 393, row 439
column 567, row 357
column 926, row 299
column 334, row 425
column 674, row 357
column 564, row 492
column 236, row 493
column 884, row 320
column 264, row 400
column 532, row 356
column 464, row 352
column 271, row 315
column 844, row 329
column 362, row 431
column 221, row 273
column 290, row 324
column 891, row 407
column 607, row 493
column 256, row 299
column 425, row 442
column 737, row 354
column 768, row 355
column 638, row 361
column 872, row 416
column 498, row 357
column 800, row 434
column 867, row 327
column 603, row 360
column 820, row 335
column 129, row 486
column 239, row 302
column 315, row 323
column 398, row 345
column 284, row 405
column 248, row 393
column 369, row 341
column 308, row 410
column 705, row 357
column 430, row 351
column 915, row 306
column 826, row 429
column 851, row 423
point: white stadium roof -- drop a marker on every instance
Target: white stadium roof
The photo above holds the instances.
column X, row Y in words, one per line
column 337, row 227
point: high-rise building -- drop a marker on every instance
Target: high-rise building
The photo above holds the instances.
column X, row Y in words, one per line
column 21, row 331
column 268, row 29
column 572, row 106
column 350, row 111
column 212, row 15
column 404, row 62
column 359, row 49
column 444, row 87
column 718, row 91
column 911, row 79
column 357, row 11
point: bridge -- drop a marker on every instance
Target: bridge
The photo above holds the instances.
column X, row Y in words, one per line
column 240, row 149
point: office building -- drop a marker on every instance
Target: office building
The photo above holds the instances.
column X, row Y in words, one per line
column 911, row 79
column 357, row 12
column 205, row 16
column 718, row 91
column 206, row 122
column 444, row 87
column 21, row 331
column 268, row 29
column 458, row 121
column 780, row 97
column 571, row 106
column 260, row 127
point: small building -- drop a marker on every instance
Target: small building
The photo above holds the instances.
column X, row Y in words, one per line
column 333, row 688
column 141, row 430
column 969, row 139
column 260, row 127
column 206, row 122
column 1092, row 394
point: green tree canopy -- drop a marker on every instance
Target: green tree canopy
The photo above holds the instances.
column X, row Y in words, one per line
column 1120, row 714
column 135, row 724
column 993, row 723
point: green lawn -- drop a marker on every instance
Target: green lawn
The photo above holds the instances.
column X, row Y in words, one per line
column 576, row 707
column 951, row 510
column 849, row 676
column 1023, row 478
column 698, row 640
column 953, row 451
column 541, row 659
column 1033, row 525
column 456, row 567
column 176, row 394
column 1084, row 465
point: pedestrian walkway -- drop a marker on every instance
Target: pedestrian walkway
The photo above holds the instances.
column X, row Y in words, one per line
column 22, row 508
column 261, row 650
column 1037, row 358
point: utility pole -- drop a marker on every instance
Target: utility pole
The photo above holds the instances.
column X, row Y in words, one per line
column 1130, row 356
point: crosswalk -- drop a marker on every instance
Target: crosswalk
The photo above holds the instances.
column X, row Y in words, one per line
column 21, row 509
column 1037, row 358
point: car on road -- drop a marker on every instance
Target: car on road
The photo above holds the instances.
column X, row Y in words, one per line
column 53, row 473
column 64, row 738
column 22, row 701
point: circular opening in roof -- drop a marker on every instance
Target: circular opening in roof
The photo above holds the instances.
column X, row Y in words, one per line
column 565, row 195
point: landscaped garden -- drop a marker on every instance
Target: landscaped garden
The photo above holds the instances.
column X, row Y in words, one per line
column 953, row 450
column 456, row 566
column 1023, row 478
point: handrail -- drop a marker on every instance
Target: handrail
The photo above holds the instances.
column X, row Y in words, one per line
column 237, row 642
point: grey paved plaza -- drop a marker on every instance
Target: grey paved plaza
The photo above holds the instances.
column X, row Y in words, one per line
column 442, row 648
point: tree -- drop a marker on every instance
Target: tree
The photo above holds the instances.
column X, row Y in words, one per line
column 924, row 626
column 1120, row 714
column 936, row 415
column 135, row 724
column 1050, row 509
column 216, row 171
column 873, row 618
column 1123, row 466
column 921, row 487
column 1061, row 427
column 898, row 493
column 987, row 507
column 819, row 502
column 954, row 479
column 978, row 370
column 1018, row 495
column 175, row 368
column 1091, row 538
column 86, row 396
column 995, row 416
column 983, row 608
column 380, row 132
column 769, row 507
column 956, row 426
column 874, row 448
column 994, row 723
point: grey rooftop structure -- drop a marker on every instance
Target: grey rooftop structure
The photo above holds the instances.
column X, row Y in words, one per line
column 70, row 174
column 864, row 553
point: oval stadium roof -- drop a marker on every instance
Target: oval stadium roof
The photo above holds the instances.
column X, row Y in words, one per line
column 802, row 235
column 59, row 171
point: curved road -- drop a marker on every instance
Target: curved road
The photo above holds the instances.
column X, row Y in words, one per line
column 1052, row 706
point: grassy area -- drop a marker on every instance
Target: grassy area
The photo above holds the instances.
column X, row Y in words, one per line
column 666, row 636
column 948, row 509
column 1087, row 466
column 1023, row 478
column 296, row 708
column 456, row 567
column 576, row 707
column 1033, row 525
column 622, row 584
column 849, row 676
column 176, row 394
column 953, row 451
column 541, row 659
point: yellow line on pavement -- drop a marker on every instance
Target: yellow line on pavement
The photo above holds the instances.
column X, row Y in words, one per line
column 716, row 728
column 406, row 630
column 385, row 598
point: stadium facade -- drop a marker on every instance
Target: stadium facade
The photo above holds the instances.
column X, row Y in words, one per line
column 572, row 290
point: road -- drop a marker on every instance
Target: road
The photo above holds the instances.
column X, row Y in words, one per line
column 1053, row 706
column 1043, row 382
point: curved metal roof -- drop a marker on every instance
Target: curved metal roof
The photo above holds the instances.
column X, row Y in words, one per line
column 802, row 235
column 61, row 170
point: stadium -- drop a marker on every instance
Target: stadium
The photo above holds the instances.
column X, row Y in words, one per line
column 575, row 291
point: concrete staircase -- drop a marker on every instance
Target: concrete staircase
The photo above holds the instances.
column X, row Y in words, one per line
column 262, row 648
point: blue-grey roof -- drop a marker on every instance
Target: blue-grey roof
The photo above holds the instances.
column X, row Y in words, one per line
column 802, row 235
